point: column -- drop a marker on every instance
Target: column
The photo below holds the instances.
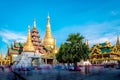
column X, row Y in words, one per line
column 45, row 60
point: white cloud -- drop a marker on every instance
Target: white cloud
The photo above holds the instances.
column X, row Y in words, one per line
column 94, row 32
column 5, row 40
column 109, row 38
column 8, row 36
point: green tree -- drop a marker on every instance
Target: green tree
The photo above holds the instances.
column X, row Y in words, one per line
column 73, row 50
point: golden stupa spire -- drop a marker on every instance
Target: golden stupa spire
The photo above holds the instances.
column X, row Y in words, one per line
column 34, row 22
column 118, row 42
column 29, row 45
column 48, row 28
column 86, row 42
column 55, row 47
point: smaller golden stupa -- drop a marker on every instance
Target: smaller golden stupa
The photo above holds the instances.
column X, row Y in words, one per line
column 55, row 49
column 29, row 45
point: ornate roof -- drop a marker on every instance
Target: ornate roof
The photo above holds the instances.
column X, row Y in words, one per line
column 102, row 48
column 48, row 56
column 107, row 50
column 19, row 45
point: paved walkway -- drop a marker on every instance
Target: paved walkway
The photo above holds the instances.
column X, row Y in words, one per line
column 105, row 74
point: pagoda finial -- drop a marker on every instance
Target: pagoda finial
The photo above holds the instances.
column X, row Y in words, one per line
column 118, row 42
column 48, row 28
column 86, row 42
column 34, row 22
column 29, row 45
column 28, row 28
column 48, row 18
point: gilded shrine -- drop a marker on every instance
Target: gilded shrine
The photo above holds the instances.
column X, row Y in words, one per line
column 105, row 53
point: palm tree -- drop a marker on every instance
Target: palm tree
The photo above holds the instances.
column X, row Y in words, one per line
column 73, row 50
column 79, row 49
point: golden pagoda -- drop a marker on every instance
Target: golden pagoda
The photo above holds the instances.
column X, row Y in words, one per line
column 49, row 42
column 48, row 39
column 28, row 47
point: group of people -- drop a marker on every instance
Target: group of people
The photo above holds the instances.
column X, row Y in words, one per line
column 6, row 68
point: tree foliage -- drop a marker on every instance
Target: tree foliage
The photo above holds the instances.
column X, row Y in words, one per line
column 73, row 50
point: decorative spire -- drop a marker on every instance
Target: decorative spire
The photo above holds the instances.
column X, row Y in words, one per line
column 34, row 22
column 86, row 42
column 29, row 45
column 48, row 18
column 118, row 42
column 55, row 48
column 54, row 43
column 48, row 28
column 8, row 46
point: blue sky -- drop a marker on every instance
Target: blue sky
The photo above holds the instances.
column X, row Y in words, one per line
column 97, row 20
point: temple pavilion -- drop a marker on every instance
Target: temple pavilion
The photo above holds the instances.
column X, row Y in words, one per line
column 105, row 53
column 46, row 47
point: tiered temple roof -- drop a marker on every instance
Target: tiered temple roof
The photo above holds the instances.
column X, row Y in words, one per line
column 36, row 41
column 15, row 48
column 102, row 48
column 105, row 52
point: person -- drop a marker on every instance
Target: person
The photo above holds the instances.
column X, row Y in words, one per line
column 2, row 68
column 10, row 67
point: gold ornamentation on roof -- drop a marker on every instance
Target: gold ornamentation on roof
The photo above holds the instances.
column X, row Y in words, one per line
column 48, row 55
